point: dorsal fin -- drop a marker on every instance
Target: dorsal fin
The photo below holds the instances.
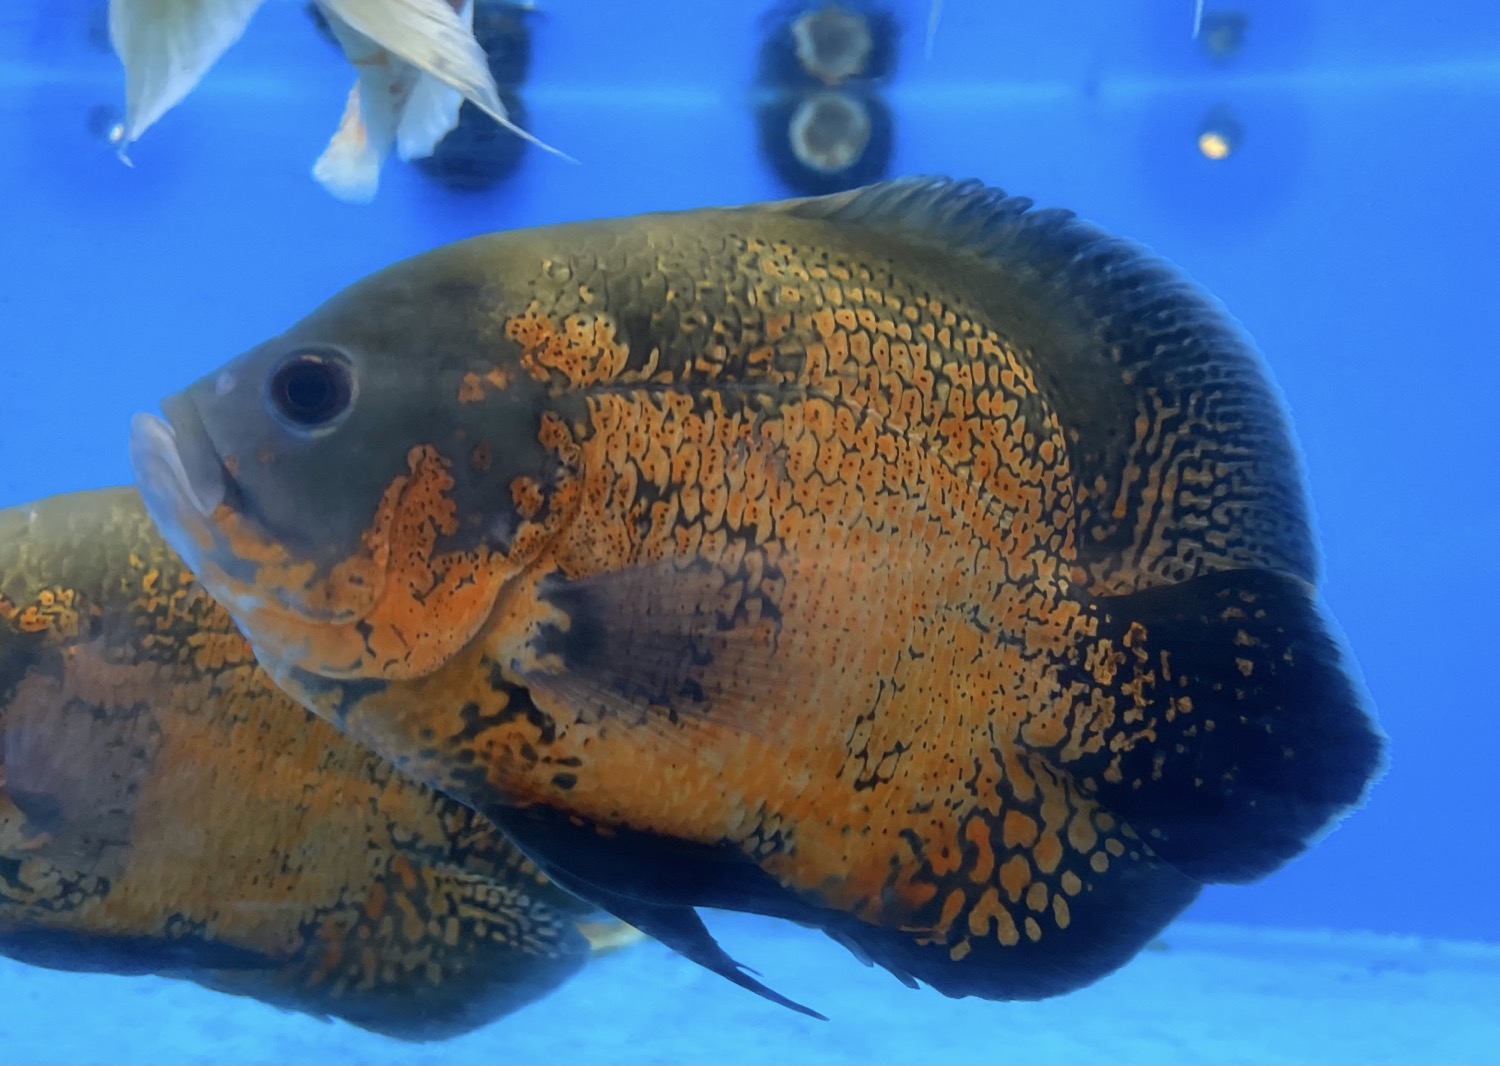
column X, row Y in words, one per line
column 1181, row 453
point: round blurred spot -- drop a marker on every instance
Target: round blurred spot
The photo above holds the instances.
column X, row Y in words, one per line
column 827, row 141
column 829, row 45
column 1266, row 133
column 104, row 122
column 1221, row 34
column 832, row 44
column 829, row 132
column 1220, row 134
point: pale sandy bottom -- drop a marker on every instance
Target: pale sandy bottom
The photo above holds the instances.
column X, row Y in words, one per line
column 1202, row 994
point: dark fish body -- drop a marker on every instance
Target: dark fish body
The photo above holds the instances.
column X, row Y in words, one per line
column 164, row 809
column 909, row 563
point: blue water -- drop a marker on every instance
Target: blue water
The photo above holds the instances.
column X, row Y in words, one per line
column 1354, row 232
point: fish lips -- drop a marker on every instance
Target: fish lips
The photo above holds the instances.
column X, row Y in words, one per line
column 178, row 472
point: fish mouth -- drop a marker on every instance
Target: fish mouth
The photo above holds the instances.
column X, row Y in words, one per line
column 195, row 504
column 179, row 476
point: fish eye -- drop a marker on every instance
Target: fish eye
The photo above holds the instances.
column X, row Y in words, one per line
column 311, row 390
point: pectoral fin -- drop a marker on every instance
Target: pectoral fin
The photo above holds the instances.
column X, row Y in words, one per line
column 631, row 874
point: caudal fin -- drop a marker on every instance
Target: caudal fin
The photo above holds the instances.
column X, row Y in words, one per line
column 1238, row 734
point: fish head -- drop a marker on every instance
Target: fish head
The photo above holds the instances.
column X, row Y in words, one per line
column 358, row 491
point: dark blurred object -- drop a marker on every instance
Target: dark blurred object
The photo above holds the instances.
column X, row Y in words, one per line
column 320, row 20
column 1221, row 34
column 827, row 141
column 1220, row 135
column 478, row 153
column 833, row 45
column 823, row 126
column 501, row 30
column 96, row 27
column 807, row 46
column 498, row 27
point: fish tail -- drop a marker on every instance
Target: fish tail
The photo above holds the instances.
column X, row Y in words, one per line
column 1234, row 735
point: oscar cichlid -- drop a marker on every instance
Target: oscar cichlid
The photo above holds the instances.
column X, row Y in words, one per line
column 909, row 563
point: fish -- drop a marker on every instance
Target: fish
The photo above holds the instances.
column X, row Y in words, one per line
column 912, row 563
column 417, row 60
column 165, row 809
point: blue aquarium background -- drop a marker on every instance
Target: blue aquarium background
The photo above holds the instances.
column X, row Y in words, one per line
column 1354, row 229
